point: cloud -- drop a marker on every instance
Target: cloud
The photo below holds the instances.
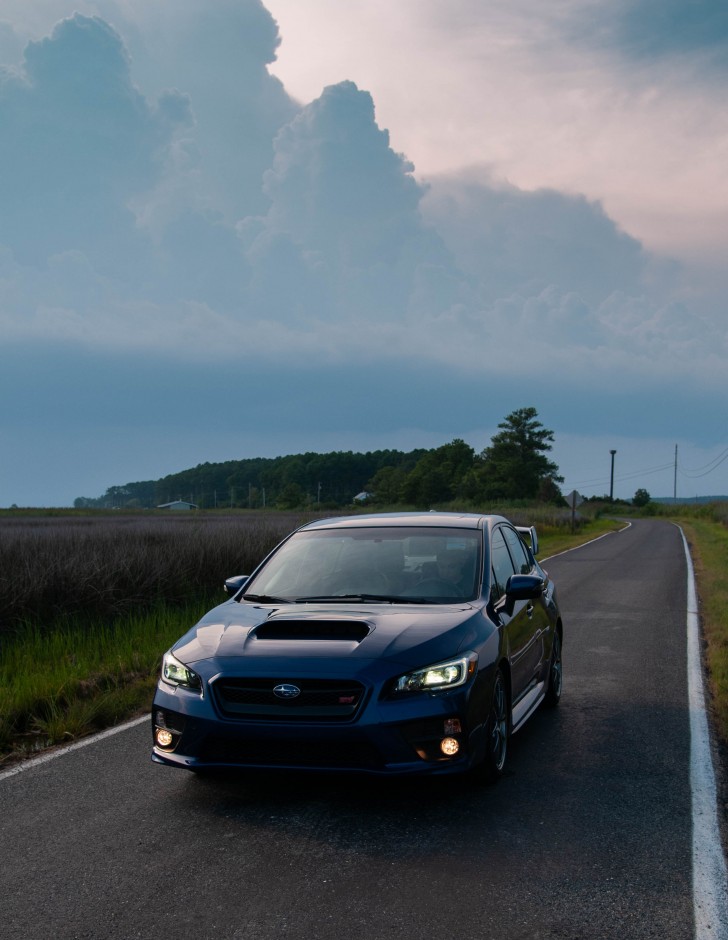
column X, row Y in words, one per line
column 509, row 238
column 351, row 206
column 547, row 95
column 11, row 45
column 664, row 29
column 555, row 273
column 187, row 250
column 335, row 176
column 79, row 140
column 218, row 54
column 352, row 259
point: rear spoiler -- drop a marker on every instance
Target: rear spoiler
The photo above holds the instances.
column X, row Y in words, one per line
column 530, row 533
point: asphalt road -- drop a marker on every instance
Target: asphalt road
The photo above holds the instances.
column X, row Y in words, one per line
column 588, row 836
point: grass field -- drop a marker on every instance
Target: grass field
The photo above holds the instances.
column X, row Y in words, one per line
column 89, row 602
column 709, row 548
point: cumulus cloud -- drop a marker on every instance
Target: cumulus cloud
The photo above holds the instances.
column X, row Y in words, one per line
column 350, row 257
column 552, row 95
column 554, row 272
column 79, row 139
column 218, row 54
column 164, row 201
column 350, row 205
column 510, row 238
column 336, row 184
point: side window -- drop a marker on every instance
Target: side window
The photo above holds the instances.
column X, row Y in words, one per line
column 501, row 563
column 518, row 552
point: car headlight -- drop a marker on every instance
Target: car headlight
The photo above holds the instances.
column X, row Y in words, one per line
column 176, row 673
column 446, row 675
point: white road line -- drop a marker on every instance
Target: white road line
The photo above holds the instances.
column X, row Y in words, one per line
column 60, row 752
column 583, row 544
column 710, row 881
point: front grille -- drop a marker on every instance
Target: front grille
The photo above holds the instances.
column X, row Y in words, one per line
column 319, row 699
column 337, row 755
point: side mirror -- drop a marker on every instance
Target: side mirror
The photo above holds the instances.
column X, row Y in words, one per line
column 234, row 584
column 524, row 587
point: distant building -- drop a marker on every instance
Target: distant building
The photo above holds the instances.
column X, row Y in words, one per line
column 178, row 504
column 363, row 496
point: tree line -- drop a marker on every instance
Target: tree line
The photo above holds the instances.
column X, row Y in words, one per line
column 514, row 466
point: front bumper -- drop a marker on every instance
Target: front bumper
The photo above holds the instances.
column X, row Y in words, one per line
column 388, row 738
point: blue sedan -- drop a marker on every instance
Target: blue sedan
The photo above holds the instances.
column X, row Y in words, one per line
column 391, row 644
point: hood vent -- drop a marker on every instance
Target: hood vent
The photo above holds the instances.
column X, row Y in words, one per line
column 350, row 630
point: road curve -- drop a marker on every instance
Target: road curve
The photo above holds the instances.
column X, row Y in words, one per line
column 588, row 836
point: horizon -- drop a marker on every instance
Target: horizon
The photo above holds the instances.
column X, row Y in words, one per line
column 598, row 488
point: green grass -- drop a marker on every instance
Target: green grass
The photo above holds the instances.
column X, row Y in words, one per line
column 708, row 541
column 551, row 541
column 57, row 685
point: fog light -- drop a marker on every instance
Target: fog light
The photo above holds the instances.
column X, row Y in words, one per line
column 449, row 746
column 164, row 737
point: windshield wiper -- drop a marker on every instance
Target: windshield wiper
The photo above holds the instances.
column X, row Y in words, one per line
column 384, row 598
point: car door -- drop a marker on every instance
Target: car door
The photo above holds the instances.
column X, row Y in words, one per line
column 537, row 614
column 521, row 621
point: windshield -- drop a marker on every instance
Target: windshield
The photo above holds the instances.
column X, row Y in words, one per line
column 403, row 564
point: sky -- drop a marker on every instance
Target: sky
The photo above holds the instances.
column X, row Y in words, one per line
column 242, row 229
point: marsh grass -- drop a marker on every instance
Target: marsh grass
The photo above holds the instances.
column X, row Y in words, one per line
column 58, row 685
column 88, row 604
column 87, row 567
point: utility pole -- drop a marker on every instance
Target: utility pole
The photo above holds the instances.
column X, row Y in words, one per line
column 611, row 479
column 674, row 485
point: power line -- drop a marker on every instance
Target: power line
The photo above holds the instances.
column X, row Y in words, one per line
column 625, row 476
column 687, row 474
column 708, row 468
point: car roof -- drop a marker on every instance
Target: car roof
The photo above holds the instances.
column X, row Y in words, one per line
column 459, row 520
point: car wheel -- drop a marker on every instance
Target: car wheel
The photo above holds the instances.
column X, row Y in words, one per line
column 497, row 729
column 553, row 693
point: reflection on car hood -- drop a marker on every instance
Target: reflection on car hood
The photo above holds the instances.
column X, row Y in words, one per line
column 326, row 630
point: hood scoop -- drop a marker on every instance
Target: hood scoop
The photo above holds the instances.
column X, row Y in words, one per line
column 305, row 629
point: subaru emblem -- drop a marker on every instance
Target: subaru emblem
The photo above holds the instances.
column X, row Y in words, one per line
column 285, row 690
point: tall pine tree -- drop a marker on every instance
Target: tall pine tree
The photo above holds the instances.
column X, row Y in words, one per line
column 515, row 465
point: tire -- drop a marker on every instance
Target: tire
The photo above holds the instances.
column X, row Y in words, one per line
column 497, row 731
column 556, row 674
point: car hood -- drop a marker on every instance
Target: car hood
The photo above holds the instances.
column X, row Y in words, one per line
column 260, row 633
